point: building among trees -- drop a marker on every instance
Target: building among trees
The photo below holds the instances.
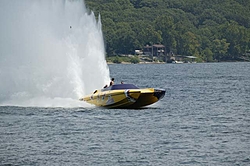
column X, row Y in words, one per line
column 155, row 50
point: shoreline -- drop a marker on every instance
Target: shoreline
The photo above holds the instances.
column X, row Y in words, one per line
column 110, row 63
column 128, row 63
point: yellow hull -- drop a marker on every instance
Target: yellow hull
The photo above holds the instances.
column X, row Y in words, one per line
column 124, row 98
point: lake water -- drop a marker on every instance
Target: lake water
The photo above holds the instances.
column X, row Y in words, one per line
column 204, row 119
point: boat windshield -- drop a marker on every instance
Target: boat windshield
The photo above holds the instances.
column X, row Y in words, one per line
column 120, row 86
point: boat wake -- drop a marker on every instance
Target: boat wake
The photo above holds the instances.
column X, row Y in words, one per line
column 52, row 53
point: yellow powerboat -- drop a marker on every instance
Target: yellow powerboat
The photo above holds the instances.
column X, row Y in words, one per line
column 124, row 96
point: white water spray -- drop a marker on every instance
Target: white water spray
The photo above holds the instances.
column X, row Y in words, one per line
column 51, row 53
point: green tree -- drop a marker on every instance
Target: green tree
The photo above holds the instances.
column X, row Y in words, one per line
column 192, row 27
column 207, row 55
column 238, row 37
column 220, row 49
column 125, row 39
column 191, row 44
column 165, row 24
column 134, row 60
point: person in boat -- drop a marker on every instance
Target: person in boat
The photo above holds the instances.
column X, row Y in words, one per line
column 112, row 82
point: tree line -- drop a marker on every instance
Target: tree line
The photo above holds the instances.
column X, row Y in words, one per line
column 212, row 30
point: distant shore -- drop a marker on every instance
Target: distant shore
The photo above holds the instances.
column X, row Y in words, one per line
column 109, row 63
column 132, row 59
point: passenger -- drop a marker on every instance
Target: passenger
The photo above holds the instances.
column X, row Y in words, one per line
column 112, row 82
column 121, row 82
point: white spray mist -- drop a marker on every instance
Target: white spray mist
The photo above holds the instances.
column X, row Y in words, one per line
column 51, row 53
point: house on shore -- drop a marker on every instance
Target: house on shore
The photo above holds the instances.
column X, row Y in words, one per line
column 159, row 52
column 155, row 50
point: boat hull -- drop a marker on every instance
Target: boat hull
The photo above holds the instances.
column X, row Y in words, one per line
column 148, row 97
column 112, row 99
column 124, row 98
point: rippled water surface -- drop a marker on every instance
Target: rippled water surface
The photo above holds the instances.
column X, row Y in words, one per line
column 204, row 119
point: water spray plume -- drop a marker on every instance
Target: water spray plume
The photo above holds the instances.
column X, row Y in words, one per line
column 51, row 53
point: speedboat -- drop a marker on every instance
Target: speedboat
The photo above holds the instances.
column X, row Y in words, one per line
column 124, row 96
